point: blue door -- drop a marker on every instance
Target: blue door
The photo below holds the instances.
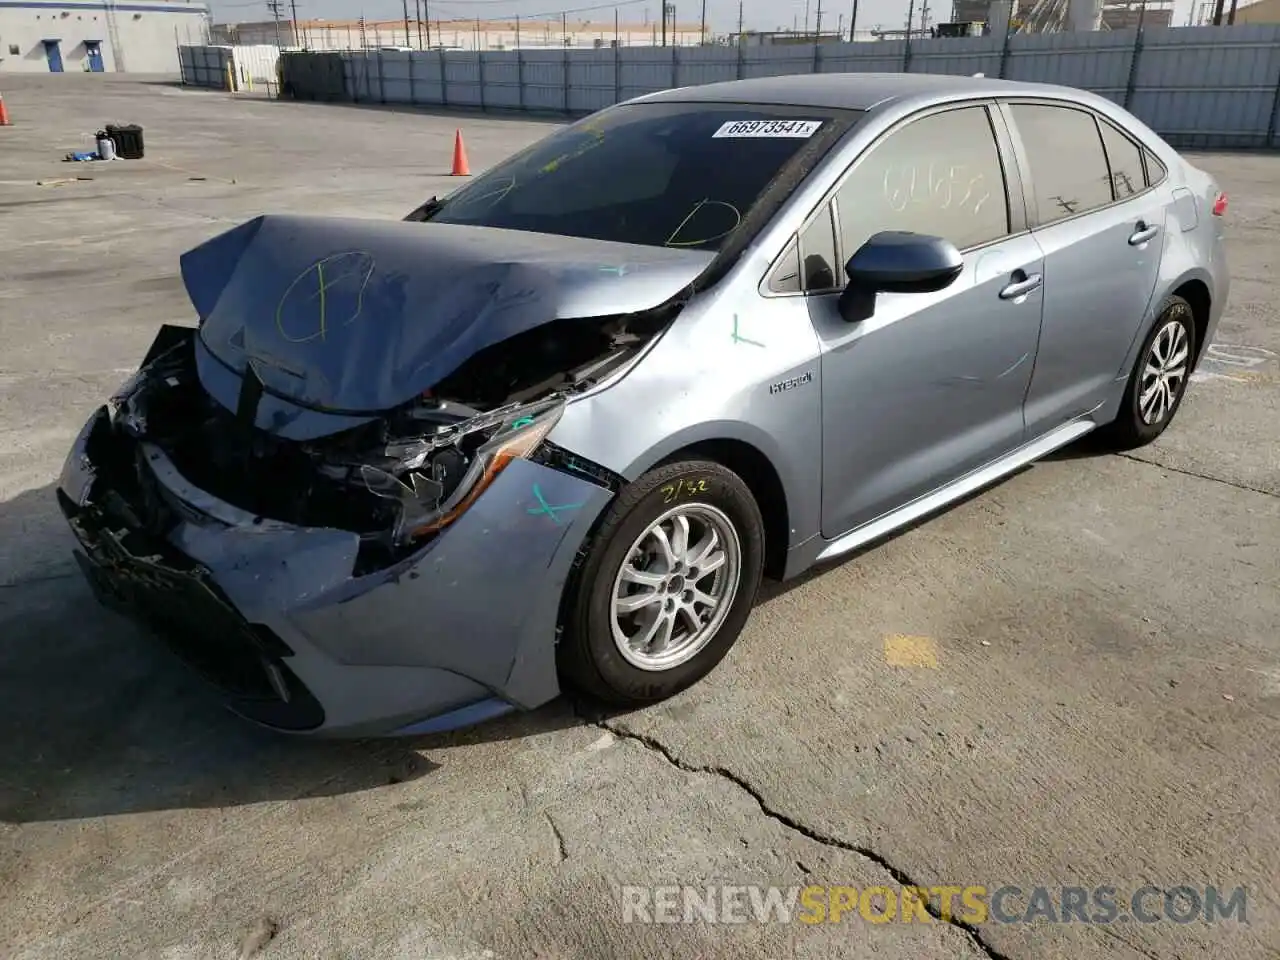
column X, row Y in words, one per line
column 53, row 53
column 94, row 49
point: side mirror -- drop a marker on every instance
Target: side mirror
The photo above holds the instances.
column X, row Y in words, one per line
column 896, row 261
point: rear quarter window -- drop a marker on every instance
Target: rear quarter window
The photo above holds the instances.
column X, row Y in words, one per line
column 1156, row 171
column 1124, row 157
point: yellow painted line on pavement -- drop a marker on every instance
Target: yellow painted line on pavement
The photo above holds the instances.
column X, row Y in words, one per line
column 901, row 650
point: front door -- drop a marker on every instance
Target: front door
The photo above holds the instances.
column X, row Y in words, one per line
column 1102, row 232
column 931, row 386
column 53, row 54
column 94, row 50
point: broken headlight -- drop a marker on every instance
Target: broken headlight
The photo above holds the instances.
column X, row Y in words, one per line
column 435, row 479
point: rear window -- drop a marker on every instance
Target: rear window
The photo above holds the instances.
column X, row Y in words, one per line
column 1068, row 165
column 662, row 174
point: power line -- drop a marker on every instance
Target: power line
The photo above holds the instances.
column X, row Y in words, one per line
column 551, row 13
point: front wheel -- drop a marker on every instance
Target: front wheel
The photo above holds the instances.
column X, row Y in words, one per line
column 668, row 584
column 1159, row 378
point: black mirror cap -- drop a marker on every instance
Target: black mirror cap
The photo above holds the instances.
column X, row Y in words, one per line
column 898, row 261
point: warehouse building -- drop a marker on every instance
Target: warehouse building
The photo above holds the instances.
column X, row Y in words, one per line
column 140, row 36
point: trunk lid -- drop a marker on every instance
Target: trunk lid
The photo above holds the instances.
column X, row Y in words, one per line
column 342, row 318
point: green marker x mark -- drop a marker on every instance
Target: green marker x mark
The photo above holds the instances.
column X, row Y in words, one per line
column 741, row 339
column 549, row 510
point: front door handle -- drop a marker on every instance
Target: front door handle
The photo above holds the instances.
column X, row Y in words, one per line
column 1020, row 288
column 1142, row 234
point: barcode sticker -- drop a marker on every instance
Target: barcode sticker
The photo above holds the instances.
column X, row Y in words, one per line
column 798, row 129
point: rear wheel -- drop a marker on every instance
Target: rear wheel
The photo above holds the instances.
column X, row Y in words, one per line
column 668, row 584
column 1159, row 378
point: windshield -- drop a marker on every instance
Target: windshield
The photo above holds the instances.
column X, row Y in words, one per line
column 657, row 174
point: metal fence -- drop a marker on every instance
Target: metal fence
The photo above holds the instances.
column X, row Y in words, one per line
column 1197, row 86
column 204, row 66
column 239, row 67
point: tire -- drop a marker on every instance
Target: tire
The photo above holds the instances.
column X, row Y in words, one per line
column 1172, row 335
column 591, row 655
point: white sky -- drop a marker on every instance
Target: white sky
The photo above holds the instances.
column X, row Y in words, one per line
column 722, row 15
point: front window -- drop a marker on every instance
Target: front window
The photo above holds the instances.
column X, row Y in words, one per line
column 658, row 174
column 939, row 175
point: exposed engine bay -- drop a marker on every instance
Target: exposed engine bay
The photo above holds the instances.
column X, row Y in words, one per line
column 396, row 480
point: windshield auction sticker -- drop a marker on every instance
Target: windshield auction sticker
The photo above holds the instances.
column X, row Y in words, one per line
column 800, row 129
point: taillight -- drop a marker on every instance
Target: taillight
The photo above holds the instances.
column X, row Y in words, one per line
column 1220, row 205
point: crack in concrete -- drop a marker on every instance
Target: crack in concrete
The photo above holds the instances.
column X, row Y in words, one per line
column 900, row 876
column 1199, row 476
column 561, row 850
column 1128, row 943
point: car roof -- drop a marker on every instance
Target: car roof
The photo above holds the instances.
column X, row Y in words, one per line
column 855, row 91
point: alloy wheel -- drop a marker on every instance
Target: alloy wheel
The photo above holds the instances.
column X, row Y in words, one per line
column 1164, row 374
column 676, row 586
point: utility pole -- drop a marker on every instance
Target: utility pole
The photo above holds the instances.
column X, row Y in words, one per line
column 406, row 22
column 664, row 21
column 426, row 15
column 911, row 17
column 417, row 20
column 274, row 7
column 739, row 22
column 806, row 17
column 564, row 30
column 817, row 23
column 1217, row 13
column 924, row 16
column 853, row 21
column 293, row 6
column 1231, row 17
column 702, row 38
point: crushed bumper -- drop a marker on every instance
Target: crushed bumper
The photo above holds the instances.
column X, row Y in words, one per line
column 274, row 616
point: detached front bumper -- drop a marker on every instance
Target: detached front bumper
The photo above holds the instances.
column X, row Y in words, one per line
column 272, row 614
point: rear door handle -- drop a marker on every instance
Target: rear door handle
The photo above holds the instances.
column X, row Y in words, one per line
column 1142, row 235
column 1021, row 287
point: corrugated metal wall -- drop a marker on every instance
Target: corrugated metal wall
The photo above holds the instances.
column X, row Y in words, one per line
column 207, row 66
column 256, row 63
column 1198, row 86
column 204, row 66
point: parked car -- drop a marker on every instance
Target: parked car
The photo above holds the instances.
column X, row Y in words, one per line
column 553, row 429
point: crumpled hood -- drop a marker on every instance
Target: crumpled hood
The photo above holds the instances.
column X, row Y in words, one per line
column 356, row 317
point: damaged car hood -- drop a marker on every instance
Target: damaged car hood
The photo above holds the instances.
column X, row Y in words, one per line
column 354, row 317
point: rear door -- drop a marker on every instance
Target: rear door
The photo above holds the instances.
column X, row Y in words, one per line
column 1102, row 232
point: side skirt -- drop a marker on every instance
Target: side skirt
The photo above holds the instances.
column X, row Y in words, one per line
column 959, row 488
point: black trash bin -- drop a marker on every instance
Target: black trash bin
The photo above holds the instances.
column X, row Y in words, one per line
column 128, row 139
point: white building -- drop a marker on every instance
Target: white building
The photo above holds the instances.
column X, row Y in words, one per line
column 138, row 36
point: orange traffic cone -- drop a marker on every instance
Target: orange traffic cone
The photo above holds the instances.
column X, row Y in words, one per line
column 460, row 166
column 4, row 114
